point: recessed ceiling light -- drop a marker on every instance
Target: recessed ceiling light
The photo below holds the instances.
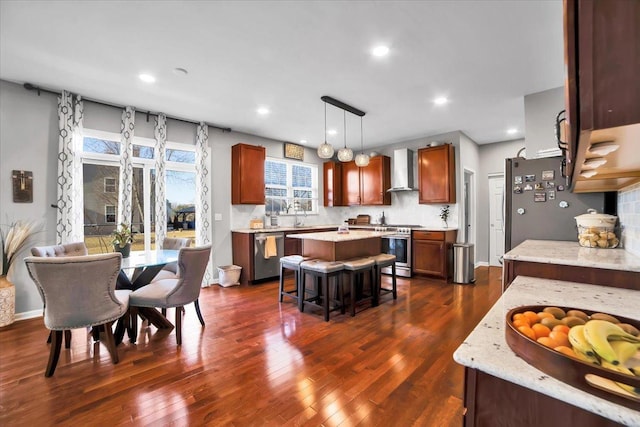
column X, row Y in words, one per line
column 332, row 132
column 303, row 141
column 180, row 71
column 588, row 174
column 380, row 51
column 512, row 131
column 441, row 100
column 262, row 111
column 147, row 78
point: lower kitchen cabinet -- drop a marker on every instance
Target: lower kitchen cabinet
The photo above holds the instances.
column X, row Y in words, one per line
column 432, row 253
column 242, row 249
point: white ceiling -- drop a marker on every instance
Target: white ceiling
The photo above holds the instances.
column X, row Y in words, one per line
column 483, row 55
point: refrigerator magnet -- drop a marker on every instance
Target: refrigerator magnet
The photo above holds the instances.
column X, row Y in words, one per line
column 517, row 179
column 548, row 175
column 550, row 184
column 529, row 178
column 539, row 186
column 517, row 189
column 560, row 187
column 551, row 194
column 540, row 197
column 528, row 187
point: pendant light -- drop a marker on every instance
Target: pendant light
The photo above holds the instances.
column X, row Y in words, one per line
column 345, row 154
column 362, row 159
column 325, row 150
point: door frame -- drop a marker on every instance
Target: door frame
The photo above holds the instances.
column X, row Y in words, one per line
column 468, row 218
column 504, row 188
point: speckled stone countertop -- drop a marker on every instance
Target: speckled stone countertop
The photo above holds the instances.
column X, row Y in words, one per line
column 334, row 236
column 571, row 253
column 277, row 229
column 486, row 349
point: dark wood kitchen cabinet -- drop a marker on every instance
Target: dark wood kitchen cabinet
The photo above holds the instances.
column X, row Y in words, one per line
column 367, row 185
column 436, row 174
column 332, row 181
column 602, row 89
column 432, row 253
column 247, row 174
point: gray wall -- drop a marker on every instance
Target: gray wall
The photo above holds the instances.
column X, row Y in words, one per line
column 540, row 111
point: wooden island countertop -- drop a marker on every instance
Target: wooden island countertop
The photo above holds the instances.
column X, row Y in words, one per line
column 334, row 246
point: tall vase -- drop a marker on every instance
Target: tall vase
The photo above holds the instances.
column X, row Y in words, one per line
column 7, row 302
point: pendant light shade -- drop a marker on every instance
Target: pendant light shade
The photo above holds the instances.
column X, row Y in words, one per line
column 345, row 154
column 362, row 159
column 325, row 150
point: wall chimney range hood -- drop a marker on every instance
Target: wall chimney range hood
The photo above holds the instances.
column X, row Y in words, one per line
column 402, row 179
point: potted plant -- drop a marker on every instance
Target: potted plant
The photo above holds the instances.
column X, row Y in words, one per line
column 121, row 239
column 444, row 215
column 13, row 242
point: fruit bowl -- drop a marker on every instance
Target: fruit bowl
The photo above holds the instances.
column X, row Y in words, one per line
column 573, row 370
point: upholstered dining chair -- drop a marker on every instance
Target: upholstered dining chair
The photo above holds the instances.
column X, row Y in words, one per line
column 173, row 292
column 67, row 249
column 79, row 292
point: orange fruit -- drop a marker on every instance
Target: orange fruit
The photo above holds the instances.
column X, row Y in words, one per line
column 547, row 342
column 560, row 337
column 540, row 330
column 527, row 331
column 562, row 328
column 518, row 316
column 521, row 322
column 565, row 350
column 532, row 316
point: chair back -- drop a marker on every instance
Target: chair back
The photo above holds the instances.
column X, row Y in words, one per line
column 77, row 291
column 68, row 249
column 193, row 263
column 175, row 243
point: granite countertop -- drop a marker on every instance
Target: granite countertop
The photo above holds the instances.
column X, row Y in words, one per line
column 277, row 229
column 571, row 253
column 486, row 349
column 334, row 236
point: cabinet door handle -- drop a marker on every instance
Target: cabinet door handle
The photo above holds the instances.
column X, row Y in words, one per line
column 563, row 145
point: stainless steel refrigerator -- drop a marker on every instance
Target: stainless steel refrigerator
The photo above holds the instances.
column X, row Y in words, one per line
column 538, row 204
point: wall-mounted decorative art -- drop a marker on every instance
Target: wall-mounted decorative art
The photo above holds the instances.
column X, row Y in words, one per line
column 22, row 186
column 293, row 151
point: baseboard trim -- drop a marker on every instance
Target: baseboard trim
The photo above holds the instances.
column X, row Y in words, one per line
column 482, row 264
column 29, row 314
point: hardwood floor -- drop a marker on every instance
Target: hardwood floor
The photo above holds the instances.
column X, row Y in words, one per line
column 259, row 362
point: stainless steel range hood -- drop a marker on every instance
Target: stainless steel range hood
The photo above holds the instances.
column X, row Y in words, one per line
column 402, row 179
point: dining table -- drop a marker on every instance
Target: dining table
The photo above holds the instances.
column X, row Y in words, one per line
column 138, row 270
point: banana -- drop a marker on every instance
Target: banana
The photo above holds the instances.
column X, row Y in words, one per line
column 579, row 342
column 625, row 350
column 586, row 358
column 598, row 332
column 623, row 370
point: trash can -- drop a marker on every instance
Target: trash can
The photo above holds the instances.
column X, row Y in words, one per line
column 463, row 263
column 228, row 275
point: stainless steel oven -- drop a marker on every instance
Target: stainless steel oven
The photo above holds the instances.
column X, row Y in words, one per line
column 398, row 244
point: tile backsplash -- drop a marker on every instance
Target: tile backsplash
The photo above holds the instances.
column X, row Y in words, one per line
column 629, row 216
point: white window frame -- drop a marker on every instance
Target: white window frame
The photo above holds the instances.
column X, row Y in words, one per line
column 115, row 214
column 114, row 185
column 289, row 198
column 146, row 164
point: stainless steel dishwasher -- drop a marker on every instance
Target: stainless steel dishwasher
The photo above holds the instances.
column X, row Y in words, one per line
column 267, row 266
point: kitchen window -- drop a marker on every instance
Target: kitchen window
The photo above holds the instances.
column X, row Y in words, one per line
column 290, row 187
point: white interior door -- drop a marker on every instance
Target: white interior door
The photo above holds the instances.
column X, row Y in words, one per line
column 496, row 219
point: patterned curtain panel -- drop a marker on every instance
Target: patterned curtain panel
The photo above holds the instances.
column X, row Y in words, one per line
column 70, row 219
column 125, row 193
column 203, row 195
column 160, row 202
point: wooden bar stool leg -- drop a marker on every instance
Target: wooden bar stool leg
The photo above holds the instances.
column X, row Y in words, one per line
column 281, row 290
column 325, row 296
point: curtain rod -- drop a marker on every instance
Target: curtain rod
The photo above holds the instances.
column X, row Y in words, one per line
column 29, row 86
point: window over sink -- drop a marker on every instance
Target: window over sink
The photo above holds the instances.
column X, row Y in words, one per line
column 290, row 187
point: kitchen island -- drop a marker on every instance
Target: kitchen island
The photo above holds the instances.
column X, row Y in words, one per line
column 503, row 389
column 563, row 260
column 335, row 246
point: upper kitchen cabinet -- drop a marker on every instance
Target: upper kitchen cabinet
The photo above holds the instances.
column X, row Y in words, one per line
column 436, row 174
column 367, row 185
column 602, row 91
column 332, row 178
column 247, row 174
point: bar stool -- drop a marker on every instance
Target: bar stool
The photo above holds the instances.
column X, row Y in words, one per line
column 322, row 271
column 382, row 261
column 354, row 269
column 291, row 262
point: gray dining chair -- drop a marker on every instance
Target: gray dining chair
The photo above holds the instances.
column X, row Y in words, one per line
column 67, row 249
column 175, row 243
column 173, row 292
column 79, row 292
